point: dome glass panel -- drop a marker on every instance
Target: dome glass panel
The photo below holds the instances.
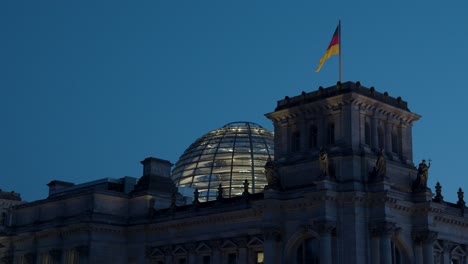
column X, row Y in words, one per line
column 229, row 155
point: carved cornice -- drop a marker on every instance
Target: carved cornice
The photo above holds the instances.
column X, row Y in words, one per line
column 452, row 221
column 385, row 109
column 186, row 223
column 300, row 105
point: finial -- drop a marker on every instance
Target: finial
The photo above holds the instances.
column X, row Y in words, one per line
column 196, row 194
column 438, row 198
column 338, row 85
column 220, row 193
column 173, row 200
column 246, row 188
column 461, row 201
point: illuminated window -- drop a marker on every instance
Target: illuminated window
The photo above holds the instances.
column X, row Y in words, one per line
column 259, row 258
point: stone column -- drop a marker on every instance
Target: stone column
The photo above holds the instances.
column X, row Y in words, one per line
column 383, row 232
column 242, row 247
column 82, row 254
column 418, row 256
column 192, row 256
column 302, row 125
column 425, row 239
column 374, row 136
column 55, row 256
column 167, row 254
column 271, row 238
column 288, row 137
column 325, row 230
column 388, row 137
column 386, row 248
column 216, row 247
column 375, row 248
column 446, row 255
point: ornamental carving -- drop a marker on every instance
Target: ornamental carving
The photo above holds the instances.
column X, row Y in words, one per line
column 424, row 237
column 383, row 229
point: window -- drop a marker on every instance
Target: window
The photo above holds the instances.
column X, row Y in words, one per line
column 367, row 134
column 259, row 258
column 308, row 252
column 331, row 133
column 313, row 134
column 296, row 142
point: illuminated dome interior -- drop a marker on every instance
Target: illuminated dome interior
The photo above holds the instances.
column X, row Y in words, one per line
column 229, row 155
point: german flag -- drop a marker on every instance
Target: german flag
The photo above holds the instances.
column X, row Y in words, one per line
column 333, row 48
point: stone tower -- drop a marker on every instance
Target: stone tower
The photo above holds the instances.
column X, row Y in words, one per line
column 353, row 126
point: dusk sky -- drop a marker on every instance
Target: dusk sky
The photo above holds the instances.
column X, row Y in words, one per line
column 88, row 89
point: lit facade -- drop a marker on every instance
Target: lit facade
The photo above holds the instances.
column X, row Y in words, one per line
column 342, row 188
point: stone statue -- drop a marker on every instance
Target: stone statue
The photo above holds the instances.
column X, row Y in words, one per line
column 423, row 174
column 323, row 161
column 380, row 165
column 271, row 175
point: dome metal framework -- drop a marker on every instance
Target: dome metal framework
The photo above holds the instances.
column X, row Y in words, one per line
column 229, row 155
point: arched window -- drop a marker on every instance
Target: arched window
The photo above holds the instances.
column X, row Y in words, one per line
column 381, row 138
column 313, row 136
column 395, row 141
column 296, row 142
column 308, row 252
column 331, row 133
column 367, row 134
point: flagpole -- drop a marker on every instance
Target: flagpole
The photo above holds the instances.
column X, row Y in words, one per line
column 339, row 34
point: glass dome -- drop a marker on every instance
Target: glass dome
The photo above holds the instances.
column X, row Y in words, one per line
column 229, row 155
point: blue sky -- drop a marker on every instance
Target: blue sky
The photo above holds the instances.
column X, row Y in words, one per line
column 90, row 88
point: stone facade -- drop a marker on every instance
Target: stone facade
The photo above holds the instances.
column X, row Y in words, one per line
column 344, row 193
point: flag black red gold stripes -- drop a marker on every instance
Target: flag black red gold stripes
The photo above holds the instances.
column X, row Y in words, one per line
column 333, row 48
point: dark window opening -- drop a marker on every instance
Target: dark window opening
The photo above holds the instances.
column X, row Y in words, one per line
column 395, row 143
column 331, row 133
column 367, row 134
column 381, row 139
column 313, row 135
column 296, row 142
